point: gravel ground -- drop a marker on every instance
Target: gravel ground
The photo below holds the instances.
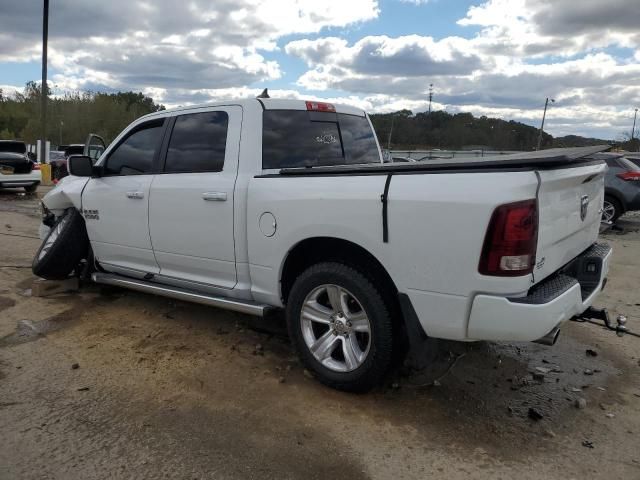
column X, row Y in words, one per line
column 108, row 383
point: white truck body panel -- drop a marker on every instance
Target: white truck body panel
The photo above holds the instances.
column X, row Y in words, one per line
column 437, row 222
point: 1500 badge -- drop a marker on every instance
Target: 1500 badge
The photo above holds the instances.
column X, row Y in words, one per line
column 91, row 214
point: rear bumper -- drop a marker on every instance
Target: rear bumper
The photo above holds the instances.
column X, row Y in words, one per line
column 20, row 180
column 548, row 304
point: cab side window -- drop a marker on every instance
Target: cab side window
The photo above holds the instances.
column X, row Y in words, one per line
column 198, row 142
column 135, row 155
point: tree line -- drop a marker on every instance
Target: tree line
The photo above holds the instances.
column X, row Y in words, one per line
column 72, row 116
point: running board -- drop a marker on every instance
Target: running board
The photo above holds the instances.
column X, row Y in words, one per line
column 242, row 306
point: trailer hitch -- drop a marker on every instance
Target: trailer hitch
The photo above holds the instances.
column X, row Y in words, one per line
column 601, row 314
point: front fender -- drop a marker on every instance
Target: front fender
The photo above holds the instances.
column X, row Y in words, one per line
column 68, row 193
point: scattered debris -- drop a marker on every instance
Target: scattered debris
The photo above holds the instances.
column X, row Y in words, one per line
column 576, row 390
column 537, row 376
column 534, row 414
column 591, row 353
column 587, row 443
column 610, row 415
column 75, row 366
column 543, row 370
column 588, row 371
column 580, row 403
column 602, row 389
column 549, row 433
column 82, row 389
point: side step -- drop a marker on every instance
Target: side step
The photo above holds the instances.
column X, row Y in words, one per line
column 242, row 306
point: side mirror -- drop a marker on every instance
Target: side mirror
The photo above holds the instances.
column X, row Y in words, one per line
column 80, row 166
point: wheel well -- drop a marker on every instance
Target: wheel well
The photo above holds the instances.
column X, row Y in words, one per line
column 327, row 249
column 615, row 196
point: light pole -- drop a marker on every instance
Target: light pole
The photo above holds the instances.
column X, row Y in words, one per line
column 544, row 114
column 60, row 138
column 633, row 130
column 430, row 96
column 43, row 86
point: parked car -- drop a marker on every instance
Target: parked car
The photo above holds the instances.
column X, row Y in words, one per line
column 17, row 169
column 263, row 204
column 93, row 147
column 621, row 186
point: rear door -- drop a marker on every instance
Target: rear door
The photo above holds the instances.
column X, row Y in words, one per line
column 116, row 205
column 570, row 207
column 192, row 200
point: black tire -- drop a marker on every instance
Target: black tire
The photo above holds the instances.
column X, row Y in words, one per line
column 614, row 204
column 378, row 357
column 31, row 188
column 63, row 248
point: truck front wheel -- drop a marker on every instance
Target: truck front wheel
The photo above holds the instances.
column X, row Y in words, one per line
column 63, row 248
column 340, row 326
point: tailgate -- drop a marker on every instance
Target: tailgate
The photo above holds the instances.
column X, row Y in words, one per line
column 569, row 203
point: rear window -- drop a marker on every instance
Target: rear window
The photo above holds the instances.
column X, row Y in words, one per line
column 629, row 165
column 13, row 147
column 298, row 138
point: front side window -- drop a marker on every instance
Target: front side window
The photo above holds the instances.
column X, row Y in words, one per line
column 198, row 143
column 298, row 138
column 134, row 156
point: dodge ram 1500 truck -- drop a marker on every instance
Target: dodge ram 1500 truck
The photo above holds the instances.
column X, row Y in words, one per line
column 264, row 204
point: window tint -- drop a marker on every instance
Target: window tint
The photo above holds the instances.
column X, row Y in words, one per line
column 295, row 138
column 198, row 143
column 135, row 154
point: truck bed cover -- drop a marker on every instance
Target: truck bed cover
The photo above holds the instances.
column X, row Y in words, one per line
column 544, row 159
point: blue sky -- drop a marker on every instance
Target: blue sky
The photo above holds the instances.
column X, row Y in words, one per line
column 495, row 57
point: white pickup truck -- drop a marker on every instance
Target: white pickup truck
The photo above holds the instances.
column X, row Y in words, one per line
column 264, row 204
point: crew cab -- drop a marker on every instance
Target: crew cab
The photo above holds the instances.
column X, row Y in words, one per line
column 263, row 204
column 17, row 170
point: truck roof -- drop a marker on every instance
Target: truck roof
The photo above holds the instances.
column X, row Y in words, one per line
column 267, row 104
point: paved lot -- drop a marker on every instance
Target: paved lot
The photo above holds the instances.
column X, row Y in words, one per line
column 166, row 389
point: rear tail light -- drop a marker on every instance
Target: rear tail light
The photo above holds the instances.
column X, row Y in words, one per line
column 509, row 248
column 629, row 176
column 320, row 107
column 36, row 166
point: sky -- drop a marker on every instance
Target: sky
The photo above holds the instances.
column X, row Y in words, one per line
column 500, row 58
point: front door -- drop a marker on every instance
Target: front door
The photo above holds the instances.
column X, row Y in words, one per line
column 191, row 201
column 116, row 205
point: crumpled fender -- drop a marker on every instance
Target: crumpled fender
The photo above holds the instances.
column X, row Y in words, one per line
column 67, row 193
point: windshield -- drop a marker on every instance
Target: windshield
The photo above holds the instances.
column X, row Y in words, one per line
column 298, row 138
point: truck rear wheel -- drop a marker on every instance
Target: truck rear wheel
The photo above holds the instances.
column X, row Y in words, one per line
column 63, row 248
column 340, row 326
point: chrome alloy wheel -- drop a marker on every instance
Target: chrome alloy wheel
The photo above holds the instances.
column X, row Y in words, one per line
column 53, row 236
column 335, row 327
column 608, row 211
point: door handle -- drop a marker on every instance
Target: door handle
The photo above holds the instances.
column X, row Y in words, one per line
column 214, row 196
column 136, row 195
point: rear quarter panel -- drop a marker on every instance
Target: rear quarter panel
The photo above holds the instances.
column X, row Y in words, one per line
column 437, row 224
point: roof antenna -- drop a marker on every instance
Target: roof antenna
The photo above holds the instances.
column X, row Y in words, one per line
column 264, row 94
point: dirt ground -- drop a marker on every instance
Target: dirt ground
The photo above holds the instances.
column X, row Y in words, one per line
column 164, row 389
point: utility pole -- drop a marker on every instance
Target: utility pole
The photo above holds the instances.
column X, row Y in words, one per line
column 544, row 114
column 633, row 130
column 43, row 86
column 430, row 96
column 393, row 119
